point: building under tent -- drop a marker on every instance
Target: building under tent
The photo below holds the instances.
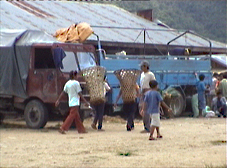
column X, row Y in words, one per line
column 219, row 63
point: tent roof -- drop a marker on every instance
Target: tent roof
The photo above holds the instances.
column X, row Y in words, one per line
column 49, row 16
column 24, row 37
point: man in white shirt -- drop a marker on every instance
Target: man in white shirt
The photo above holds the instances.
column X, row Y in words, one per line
column 73, row 89
column 145, row 78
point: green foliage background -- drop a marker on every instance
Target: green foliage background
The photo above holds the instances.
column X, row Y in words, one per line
column 206, row 17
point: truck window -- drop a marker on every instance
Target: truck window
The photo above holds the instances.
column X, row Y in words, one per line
column 69, row 62
column 44, row 58
column 86, row 59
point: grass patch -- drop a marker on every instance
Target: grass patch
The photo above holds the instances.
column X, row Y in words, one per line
column 125, row 153
column 218, row 142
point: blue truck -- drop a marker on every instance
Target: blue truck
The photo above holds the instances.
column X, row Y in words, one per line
column 174, row 73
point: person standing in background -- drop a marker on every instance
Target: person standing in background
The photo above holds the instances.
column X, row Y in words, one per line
column 223, row 84
column 213, row 88
column 219, row 104
column 145, row 78
column 201, row 89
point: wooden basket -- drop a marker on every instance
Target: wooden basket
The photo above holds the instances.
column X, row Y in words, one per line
column 94, row 78
column 127, row 79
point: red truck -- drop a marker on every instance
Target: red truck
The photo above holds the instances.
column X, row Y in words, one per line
column 33, row 70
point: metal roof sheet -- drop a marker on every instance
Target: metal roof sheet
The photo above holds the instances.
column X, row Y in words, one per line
column 52, row 15
column 220, row 59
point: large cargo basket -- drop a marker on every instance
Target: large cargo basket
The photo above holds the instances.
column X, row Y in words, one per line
column 94, row 78
column 127, row 79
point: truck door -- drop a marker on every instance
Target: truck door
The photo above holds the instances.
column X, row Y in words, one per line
column 44, row 76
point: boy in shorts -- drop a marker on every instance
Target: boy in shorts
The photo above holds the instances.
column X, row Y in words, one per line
column 152, row 102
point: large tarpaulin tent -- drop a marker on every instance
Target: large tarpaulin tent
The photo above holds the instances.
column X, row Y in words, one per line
column 15, row 50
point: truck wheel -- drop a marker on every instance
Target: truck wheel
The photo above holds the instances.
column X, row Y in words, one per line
column 36, row 114
column 2, row 116
column 177, row 103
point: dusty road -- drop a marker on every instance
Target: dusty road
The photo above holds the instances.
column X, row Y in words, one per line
column 187, row 142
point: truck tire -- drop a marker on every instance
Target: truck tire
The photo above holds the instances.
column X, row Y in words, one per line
column 2, row 116
column 36, row 114
column 177, row 103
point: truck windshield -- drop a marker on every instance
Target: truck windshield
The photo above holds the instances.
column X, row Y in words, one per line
column 86, row 60
column 77, row 61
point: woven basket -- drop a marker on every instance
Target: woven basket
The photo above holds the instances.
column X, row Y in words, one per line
column 127, row 79
column 94, row 78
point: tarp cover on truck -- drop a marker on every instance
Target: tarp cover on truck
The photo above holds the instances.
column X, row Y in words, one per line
column 15, row 50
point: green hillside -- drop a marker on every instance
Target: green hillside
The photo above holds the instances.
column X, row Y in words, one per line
column 206, row 17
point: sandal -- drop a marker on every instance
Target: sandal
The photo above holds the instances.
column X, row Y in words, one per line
column 151, row 139
column 93, row 126
column 160, row 136
column 61, row 131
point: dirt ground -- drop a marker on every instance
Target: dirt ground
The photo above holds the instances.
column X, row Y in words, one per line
column 187, row 142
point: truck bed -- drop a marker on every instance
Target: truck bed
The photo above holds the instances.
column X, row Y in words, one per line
column 168, row 70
